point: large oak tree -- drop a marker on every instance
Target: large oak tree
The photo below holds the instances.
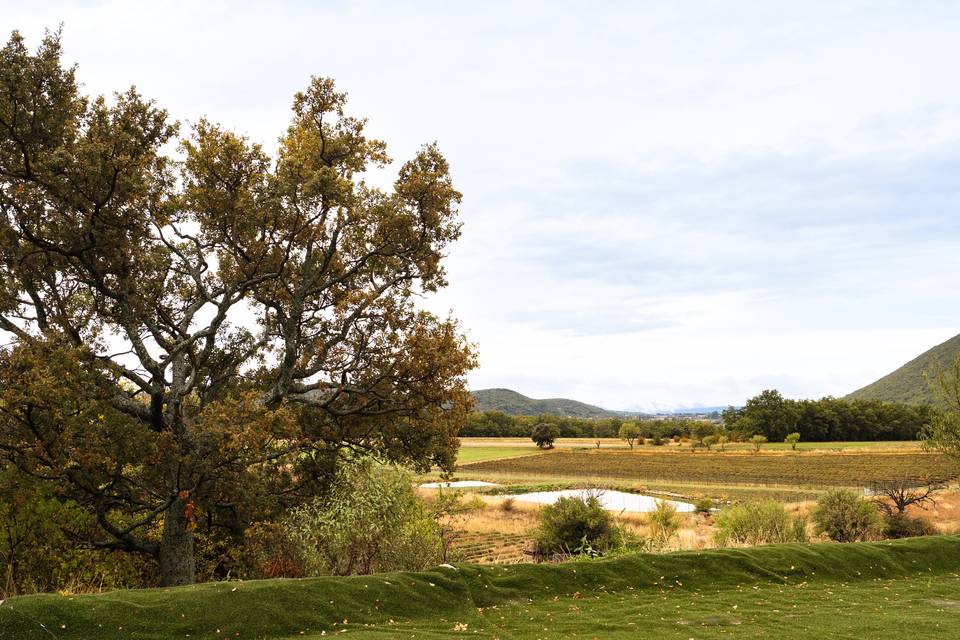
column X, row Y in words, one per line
column 197, row 327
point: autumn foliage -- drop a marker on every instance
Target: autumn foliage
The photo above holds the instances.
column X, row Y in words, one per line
column 193, row 335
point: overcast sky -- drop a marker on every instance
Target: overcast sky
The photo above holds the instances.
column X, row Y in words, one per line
column 665, row 204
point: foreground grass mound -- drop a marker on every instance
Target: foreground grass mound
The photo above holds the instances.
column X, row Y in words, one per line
column 790, row 591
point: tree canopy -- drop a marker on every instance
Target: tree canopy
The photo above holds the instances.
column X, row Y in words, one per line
column 197, row 326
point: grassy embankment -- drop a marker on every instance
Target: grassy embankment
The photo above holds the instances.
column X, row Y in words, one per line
column 901, row 589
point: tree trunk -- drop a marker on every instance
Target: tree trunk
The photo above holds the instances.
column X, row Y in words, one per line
column 176, row 547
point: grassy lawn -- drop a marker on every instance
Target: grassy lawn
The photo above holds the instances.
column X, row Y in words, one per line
column 468, row 454
column 901, row 589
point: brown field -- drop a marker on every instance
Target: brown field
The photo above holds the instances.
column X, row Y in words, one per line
column 491, row 547
column 807, row 469
column 492, row 533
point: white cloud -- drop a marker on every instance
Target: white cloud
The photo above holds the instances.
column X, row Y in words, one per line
column 665, row 203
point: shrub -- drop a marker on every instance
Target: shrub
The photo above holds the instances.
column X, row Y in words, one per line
column 572, row 523
column 269, row 551
column 474, row 503
column 664, row 524
column 757, row 441
column 703, row 505
column 844, row 516
column 799, row 526
column 508, row 504
column 900, row 525
column 761, row 522
column 544, row 434
column 39, row 548
column 372, row 520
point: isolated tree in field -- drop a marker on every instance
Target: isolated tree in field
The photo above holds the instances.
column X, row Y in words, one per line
column 630, row 431
column 709, row 441
column 896, row 494
column 194, row 338
column 792, row 439
column 758, row 441
column 544, row 434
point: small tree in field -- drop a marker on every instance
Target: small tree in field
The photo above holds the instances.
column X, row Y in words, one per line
column 758, row 441
column 709, row 441
column 895, row 495
column 630, row 431
column 792, row 439
column 544, row 434
column 722, row 440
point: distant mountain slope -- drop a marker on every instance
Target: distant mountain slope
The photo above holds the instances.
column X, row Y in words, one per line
column 517, row 404
column 907, row 383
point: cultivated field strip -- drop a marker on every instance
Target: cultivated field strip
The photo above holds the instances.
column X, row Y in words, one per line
column 491, row 547
column 805, row 469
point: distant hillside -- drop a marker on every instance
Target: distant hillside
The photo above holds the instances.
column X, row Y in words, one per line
column 907, row 383
column 517, row 404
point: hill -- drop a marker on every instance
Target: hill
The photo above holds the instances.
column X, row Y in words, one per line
column 517, row 404
column 903, row 588
column 907, row 383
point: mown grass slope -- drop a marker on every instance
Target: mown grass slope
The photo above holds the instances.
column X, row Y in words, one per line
column 907, row 384
column 901, row 589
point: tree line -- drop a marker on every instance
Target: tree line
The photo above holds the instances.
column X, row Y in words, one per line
column 768, row 414
column 827, row 419
column 493, row 424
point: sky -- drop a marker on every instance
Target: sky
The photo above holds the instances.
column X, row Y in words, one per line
column 665, row 204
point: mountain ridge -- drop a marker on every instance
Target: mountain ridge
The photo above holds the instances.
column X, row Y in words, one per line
column 516, row 404
column 907, row 383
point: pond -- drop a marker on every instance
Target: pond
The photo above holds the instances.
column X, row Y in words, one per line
column 611, row 500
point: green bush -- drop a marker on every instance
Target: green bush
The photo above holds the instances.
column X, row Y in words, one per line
column 751, row 523
column 574, row 523
column 800, row 529
column 371, row 521
column 39, row 551
column 844, row 516
column 703, row 505
column 664, row 524
column 269, row 551
column 900, row 525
